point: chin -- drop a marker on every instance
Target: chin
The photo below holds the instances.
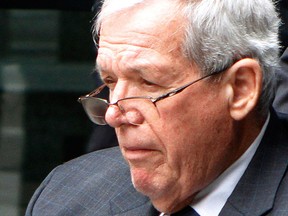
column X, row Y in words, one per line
column 160, row 189
column 164, row 191
column 144, row 182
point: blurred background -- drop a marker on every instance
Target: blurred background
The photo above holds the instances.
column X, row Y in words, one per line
column 46, row 59
column 46, row 62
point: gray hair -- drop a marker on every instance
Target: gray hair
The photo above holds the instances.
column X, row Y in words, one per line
column 220, row 32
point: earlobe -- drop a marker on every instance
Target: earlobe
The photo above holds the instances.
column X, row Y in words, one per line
column 245, row 83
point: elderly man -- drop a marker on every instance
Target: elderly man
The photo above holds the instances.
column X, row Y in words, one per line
column 191, row 85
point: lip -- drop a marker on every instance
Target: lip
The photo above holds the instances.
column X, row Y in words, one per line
column 138, row 154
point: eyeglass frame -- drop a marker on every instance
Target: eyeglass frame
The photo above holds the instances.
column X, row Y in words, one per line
column 152, row 99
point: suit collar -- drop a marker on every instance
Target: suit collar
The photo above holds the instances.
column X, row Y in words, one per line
column 284, row 57
column 256, row 190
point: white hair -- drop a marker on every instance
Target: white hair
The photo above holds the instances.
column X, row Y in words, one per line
column 220, row 32
column 110, row 7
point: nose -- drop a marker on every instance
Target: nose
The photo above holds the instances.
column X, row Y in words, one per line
column 114, row 117
column 123, row 111
column 117, row 116
column 135, row 117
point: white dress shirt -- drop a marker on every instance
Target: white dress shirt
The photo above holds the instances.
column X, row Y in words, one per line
column 212, row 199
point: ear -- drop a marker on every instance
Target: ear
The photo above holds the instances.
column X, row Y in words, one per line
column 245, row 84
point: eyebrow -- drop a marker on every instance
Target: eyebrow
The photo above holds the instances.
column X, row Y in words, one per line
column 97, row 68
column 99, row 71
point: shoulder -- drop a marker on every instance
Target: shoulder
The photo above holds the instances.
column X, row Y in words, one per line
column 96, row 167
column 278, row 121
column 86, row 184
column 282, row 121
column 281, row 98
column 107, row 163
column 101, row 160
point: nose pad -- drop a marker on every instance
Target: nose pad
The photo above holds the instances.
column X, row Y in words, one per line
column 114, row 117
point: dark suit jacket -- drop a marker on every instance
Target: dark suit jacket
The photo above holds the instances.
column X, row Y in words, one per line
column 281, row 99
column 99, row 184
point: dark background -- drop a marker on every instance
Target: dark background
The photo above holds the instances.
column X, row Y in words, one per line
column 48, row 46
column 48, row 4
column 283, row 9
column 55, row 125
column 93, row 5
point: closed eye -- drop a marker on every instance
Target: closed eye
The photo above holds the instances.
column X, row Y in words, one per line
column 110, row 82
column 148, row 83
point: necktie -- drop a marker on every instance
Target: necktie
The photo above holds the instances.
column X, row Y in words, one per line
column 187, row 211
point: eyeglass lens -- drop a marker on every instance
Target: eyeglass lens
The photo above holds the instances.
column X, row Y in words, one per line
column 136, row 110
column 96, row 109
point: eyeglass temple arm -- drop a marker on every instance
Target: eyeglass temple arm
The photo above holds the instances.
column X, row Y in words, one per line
column 96, row 91
column 93, row 93
column 175, row 91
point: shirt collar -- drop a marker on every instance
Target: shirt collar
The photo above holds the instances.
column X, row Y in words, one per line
column 212, row 199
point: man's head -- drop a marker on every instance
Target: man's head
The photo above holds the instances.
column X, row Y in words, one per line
column 147, row 48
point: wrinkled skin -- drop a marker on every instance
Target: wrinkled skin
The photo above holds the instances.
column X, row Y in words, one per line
column 194, row 139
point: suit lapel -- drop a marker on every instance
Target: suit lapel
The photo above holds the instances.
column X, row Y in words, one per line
column 284, row 57
column 256, row 190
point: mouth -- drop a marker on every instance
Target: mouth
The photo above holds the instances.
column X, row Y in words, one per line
column 138, row 154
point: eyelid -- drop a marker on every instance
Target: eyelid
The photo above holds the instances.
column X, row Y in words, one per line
column 109, row 81
column 148, row 83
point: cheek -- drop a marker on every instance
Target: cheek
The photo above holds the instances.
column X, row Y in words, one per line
column 191, row 130
column 176, row 134
column 181, row 121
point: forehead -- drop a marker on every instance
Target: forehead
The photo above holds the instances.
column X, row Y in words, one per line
column 155, row 26
column 153, row 17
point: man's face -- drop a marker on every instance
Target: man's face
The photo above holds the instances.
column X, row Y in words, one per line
column 188, row 146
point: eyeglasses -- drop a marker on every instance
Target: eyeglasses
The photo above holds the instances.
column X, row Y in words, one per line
column 130, row 107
